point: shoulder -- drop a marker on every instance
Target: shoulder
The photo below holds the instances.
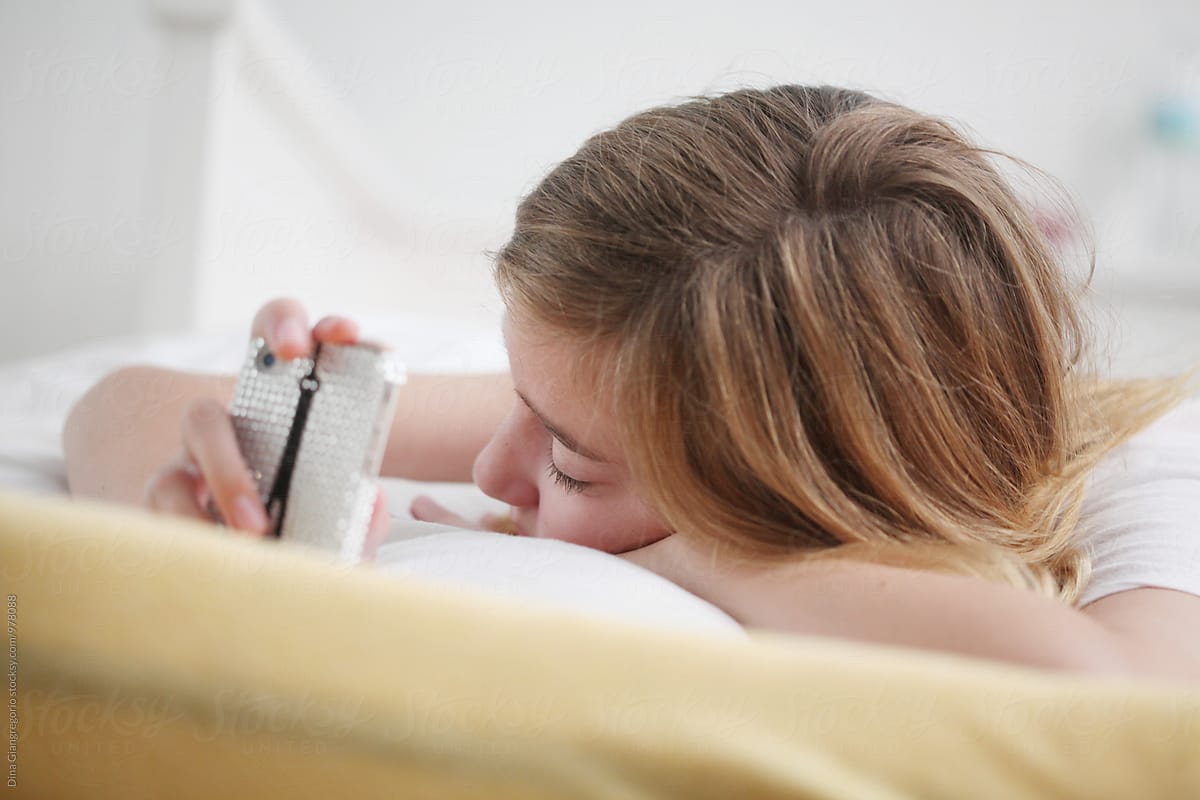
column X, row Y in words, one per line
column 1140, row 519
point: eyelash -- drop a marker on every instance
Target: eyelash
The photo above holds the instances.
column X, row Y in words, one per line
column 570, row 485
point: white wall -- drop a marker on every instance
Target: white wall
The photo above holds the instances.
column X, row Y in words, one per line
column 473, row 100
column 466, row 105
column 75, row 79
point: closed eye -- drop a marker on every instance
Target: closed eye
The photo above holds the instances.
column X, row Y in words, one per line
column 570, row 485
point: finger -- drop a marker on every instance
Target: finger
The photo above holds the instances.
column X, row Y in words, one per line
column 428, row 510
column 172, row 490
column 336, row 330
column 500, row 524
column 200, row 490
column 283, row 322
column 381, row 523
column 203, row 493
column 209, row 438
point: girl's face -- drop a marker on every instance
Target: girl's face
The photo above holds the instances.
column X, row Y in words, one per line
column 555, row 458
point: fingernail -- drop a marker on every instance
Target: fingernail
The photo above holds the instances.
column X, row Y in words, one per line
column 290, row 333
column 248, row 514
column 422, row 506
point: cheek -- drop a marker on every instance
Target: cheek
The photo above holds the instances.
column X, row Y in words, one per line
column 611, row 524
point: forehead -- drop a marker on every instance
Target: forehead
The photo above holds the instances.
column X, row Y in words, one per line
column 551, row 374
column 535, row 349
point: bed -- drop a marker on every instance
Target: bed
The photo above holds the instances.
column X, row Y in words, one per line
column 158, row 657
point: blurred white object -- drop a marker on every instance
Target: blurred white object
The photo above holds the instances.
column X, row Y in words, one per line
column 170, row 165
column 176, row 160
column 1152, row 227
column 269, row 183
column 1156, row 232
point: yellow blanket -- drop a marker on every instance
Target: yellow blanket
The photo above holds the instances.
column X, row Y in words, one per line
column 155, row 657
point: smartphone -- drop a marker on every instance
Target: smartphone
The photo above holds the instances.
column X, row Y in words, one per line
column 313, row 432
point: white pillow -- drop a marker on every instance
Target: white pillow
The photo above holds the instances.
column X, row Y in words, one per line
column 551, row 573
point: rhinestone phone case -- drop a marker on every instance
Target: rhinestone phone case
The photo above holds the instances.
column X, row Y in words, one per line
column 313, row 432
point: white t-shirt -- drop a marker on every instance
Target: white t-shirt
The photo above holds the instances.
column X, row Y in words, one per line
column 1141, row 513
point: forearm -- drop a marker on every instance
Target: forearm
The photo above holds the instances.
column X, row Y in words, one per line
column 442, row 423
column 957, row 614
column 128, row 425
column 888, row 605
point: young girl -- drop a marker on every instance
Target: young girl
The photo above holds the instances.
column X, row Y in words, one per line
column 803, row 352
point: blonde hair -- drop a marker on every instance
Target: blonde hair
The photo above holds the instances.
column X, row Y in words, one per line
column 827, row 326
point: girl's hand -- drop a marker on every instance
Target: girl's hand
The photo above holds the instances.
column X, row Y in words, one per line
column 210, row 463
column 427, row 509
column 710, row 571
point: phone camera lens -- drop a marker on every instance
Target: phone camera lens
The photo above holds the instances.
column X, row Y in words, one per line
column 265, row 360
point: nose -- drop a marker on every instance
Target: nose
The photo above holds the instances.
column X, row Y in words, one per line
column 506, row 468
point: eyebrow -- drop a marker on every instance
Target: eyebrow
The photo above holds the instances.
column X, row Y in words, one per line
column 568, row 441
